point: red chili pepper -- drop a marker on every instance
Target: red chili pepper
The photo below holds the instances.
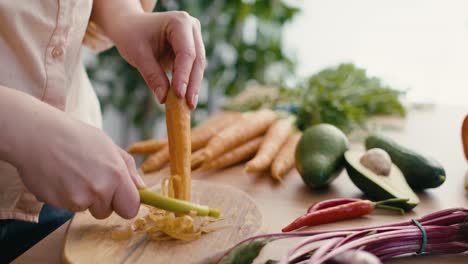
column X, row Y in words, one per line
column 331, row 203
column 465, row 136
column 340, row 212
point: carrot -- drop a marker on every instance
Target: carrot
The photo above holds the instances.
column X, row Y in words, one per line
column 197, row 159
column 276, row 135
column 156, row 161
column 200, row 137
column 238, row 154
column 179, row 139
column 147, row 146
column 284, row 161
column 249, row 127
column 204, row 132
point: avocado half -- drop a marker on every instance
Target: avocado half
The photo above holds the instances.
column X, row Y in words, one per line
column 379, row 187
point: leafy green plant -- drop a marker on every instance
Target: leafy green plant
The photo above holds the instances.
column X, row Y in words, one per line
column 344, row 96
column 243, row 45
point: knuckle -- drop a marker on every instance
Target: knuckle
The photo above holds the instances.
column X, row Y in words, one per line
column 201, row 60
column 183, row 15
column 79, row 203
column 187, row 53
column 180, row 18
column 115, row 172
column 128, row 158
column 197, row 22
column 99, row 189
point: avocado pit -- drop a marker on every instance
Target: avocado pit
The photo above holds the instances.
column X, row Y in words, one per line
column 377, row 160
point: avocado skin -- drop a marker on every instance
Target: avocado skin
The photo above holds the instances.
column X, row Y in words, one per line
column 371, row 189
column 320, row 156
column 420, row 172
column 317, row 174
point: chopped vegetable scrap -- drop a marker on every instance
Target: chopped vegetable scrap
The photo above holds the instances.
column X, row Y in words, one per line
column 163, row 225
column 339, row 209
column 190, row 223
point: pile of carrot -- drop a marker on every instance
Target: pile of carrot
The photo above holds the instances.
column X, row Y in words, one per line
column 262, row 139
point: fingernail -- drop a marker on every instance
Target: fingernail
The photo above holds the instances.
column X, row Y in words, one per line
column 159, row 94
column 183, row 89
column 140, row 182
column 195, row 101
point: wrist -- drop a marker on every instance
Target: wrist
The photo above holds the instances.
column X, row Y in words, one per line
column 112, row 17
column 11, row 122
column 22, row 117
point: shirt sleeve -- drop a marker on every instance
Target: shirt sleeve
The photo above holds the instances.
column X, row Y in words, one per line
column 97, row 41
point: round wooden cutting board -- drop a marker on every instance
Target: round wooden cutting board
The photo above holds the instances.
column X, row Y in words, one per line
column 89, row 240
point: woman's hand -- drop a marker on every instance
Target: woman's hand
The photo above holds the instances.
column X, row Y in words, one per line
column 65, row 162
column 159, row 42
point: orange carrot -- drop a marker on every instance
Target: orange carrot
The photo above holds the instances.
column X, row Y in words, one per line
column 238, row 154
column 156, row 161
column 179, row 139
column 197, row 159
column 276, row 135
column 249, row 127
column 147, row 146
column 200, row 137
column 205, row 131
column 284, row 161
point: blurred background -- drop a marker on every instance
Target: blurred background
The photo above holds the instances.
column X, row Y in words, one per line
column 418, row 48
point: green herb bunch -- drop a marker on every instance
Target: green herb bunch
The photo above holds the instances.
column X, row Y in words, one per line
column 343, row 96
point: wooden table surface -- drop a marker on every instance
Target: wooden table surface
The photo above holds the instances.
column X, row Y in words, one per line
column 433, row 131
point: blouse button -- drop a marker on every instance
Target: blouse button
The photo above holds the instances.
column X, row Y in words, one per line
column 57, row 52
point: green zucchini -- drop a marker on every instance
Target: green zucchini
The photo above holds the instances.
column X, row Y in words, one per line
column 421, row 172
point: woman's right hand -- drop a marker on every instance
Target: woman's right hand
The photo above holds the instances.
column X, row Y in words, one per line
column 69, row 164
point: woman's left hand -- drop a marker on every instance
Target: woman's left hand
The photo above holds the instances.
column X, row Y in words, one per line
column 158, row 42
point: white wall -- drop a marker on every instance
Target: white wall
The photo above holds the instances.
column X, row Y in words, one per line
column 416, row 44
